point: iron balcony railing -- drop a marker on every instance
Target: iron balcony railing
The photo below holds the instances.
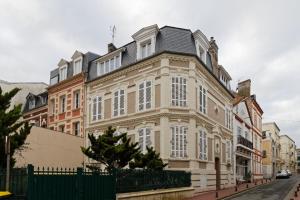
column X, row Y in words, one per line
column 245, row 142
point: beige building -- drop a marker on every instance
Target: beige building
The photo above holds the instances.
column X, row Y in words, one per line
column 271, row 149
column 288, row 153
column 48, row 148
column 166, row 90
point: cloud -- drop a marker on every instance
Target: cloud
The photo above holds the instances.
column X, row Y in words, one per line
column 256, row 39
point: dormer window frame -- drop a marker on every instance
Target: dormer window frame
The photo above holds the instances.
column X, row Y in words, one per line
column 61, row 77
column 202, row 45
column 145, row 36
column 31, row 103
column 76, row 71
column 104, row 65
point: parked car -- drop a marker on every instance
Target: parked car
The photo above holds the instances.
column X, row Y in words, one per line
column 282, row 174
column 289, row 172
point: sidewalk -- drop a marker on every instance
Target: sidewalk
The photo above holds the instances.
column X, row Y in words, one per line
column 220, row 194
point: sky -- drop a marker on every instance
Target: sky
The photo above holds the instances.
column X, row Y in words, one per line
column 257, row 40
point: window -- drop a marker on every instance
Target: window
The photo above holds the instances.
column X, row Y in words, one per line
column 179, row 142
column 201, row 53
column 76, row 128
column 108, row 65
column 202, row 99
column 31, row 103
column 228, row 150
column 63, row 73
column 228, row 119
column 239, row 130
column 202, row 145
column 77, row 67
column 96, row 108
column 63, row 104
column 53, row 80
column 179, row 85
column 145, row 50
column 76, row 99
column 255, row 141
column 52, row 106
column 61, row 128
column 144, row 139
column 145, row 95
column 119, row 101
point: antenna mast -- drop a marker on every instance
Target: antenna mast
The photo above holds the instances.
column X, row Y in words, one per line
column 113, row 31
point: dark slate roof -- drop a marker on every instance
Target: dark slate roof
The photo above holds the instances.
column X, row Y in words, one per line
column 168, row 38
column 87, row 57
column 40, row 100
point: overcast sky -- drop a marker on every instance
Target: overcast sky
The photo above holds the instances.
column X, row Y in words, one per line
column 257, row 39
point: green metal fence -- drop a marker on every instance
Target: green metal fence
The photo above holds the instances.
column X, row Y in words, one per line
column 65, row 184
column 18, row 182
column 140, row 180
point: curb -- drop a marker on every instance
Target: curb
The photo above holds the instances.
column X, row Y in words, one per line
column 244, row 191
column 290, row 195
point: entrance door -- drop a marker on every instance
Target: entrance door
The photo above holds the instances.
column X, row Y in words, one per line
column 218, row 175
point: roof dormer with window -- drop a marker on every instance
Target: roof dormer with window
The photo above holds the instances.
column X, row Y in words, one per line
column 202, row 45
column 109, row 62
column 224, row 77
column 63, row 69
column 77, row 62
column 145, row 41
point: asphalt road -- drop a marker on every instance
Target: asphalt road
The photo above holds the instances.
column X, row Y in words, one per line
column 276, row 190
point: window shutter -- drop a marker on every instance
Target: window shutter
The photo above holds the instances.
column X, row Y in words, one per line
column 122, row 102
column 94, row 105
column 205, row 146
column 173, row 142
column 141, row 96
column 116, row 98
column 184, row 92
column 148, row 94
column 201, row 145
column 99, row 105
column 141, row 139
column 204, row 101
column 148, row 139
column 185, row 142
column 200, row 98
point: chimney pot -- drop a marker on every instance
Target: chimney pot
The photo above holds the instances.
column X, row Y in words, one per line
column 244, row 88
column 111, row 47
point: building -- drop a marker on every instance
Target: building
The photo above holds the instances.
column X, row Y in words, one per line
column 242, row 138
column 288, row 153
column 26, row 88
column 256, row 112
column 36, row 109
column 166, row 89
column 48, row 148
column 271, row 149
column 66, row 94
column 298, row 160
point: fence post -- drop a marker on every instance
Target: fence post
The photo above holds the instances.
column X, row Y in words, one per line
column 30, row 186
column 79, row 183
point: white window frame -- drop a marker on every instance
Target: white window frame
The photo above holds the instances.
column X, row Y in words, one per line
column 144, row 138
column 179, row 141
column 77, row 69
column 75, row 99
column 54, row 80
column 116, row 106
column 52, row 106
column 76, row 126
column 181, row 90
column 142, row 104
column 31, row 103
column 202, row 144
column 147, row 45
column 201, row 52
column 62, row 103
column 63, row 73
column 109, row 65
column 202, row 99
column 228, row 118
column 97, row 101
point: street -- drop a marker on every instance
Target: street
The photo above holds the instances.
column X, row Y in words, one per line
column 276, row 190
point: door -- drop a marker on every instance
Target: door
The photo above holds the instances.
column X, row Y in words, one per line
column 218, row 175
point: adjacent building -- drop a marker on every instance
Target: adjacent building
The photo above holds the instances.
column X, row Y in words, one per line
column 271, row 149
column 36, row 109
column 288, row 153
column 66, row 94
column 242, row 138
column 298, row 160
column 167, row 90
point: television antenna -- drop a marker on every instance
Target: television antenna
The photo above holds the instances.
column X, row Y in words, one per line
column 113, row 31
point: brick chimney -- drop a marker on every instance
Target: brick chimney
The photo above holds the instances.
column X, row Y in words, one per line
column 111, row 47
column 213, row 51
column 244, row 88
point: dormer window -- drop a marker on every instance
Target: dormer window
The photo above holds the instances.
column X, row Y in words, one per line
column 109, row 65
column 202, row 45
column 63, row 73
column 31, row 104
column 146, row 49
column 77, row 66
column 145, row 41
column 202, row 53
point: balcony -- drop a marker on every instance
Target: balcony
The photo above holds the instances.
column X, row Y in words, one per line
column 243, row 141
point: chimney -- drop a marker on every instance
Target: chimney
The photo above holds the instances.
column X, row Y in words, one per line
column 111, row 47
column 213, row 51
column 244, row 88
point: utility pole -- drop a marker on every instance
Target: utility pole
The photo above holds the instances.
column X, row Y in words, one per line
column 7, row 151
